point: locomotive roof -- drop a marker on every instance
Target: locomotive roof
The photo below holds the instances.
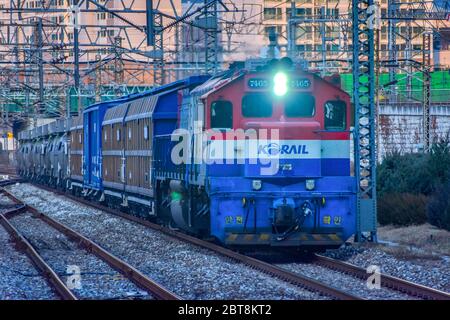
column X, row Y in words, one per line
column 136, row 109
column 219, row 82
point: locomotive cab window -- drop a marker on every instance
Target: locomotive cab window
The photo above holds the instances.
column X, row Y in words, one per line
column 300, row 105
column 334, row 115
column 221, row 115
column 256, row 105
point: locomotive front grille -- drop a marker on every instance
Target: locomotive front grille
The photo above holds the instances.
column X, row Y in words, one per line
column 284, row 216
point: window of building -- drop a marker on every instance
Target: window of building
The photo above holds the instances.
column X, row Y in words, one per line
column 256, row 105
column 221, row 115
column 273, row 13
column 334, row 115
column 118, row 134
column 299, row 105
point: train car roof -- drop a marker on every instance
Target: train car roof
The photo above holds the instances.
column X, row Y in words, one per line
column 193, row 80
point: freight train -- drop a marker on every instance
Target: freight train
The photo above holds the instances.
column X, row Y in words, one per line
column 255, row 157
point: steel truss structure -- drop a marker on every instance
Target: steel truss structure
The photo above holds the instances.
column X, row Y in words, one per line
column 53, row 52
column 363, row 22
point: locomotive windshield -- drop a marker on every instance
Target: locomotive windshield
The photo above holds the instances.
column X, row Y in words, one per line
column 300, row 105
column 256, row 105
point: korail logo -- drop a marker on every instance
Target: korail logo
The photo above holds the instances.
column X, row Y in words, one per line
column 274, row 149
column 271, row 149
column 374, row 17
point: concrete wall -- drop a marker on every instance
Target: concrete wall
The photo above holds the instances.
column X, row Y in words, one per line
column 400, row 127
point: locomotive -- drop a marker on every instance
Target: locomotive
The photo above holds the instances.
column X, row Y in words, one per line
column 251, row 157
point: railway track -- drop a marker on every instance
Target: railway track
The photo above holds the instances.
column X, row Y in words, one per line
column 394, row 283
column 270, row 269
column 154, row 289
column 387, row 281
column 4, row 183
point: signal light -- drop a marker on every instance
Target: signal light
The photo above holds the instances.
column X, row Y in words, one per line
column 280, row 84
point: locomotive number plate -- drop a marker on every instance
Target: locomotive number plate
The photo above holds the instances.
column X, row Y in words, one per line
column 260, row 83
column 256, row 83
column 301, row 83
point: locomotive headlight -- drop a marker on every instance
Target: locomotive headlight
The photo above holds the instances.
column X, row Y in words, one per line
column 310, row 184
column 280, row 84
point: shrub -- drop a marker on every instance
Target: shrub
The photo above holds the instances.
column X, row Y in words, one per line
column 408, row 173
column 405, row 181
column 439, row 160
column 402, row 209
column 438, row 209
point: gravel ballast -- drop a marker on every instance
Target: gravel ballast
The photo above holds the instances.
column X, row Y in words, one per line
column 19, row 279
column 97, row 279
column 433, row 273
column 344, row 282
column 187, row 270
column 6, row 203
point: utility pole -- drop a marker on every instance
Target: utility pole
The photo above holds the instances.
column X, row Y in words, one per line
column 98, row 78
column 364, row 101
column 76, row 53
column 118, row 66
column 159, row 72
column 392, row 45
column 292, row 32
column 427, row 43
column 39, row 44
column 323, row 44
column 211, row 37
